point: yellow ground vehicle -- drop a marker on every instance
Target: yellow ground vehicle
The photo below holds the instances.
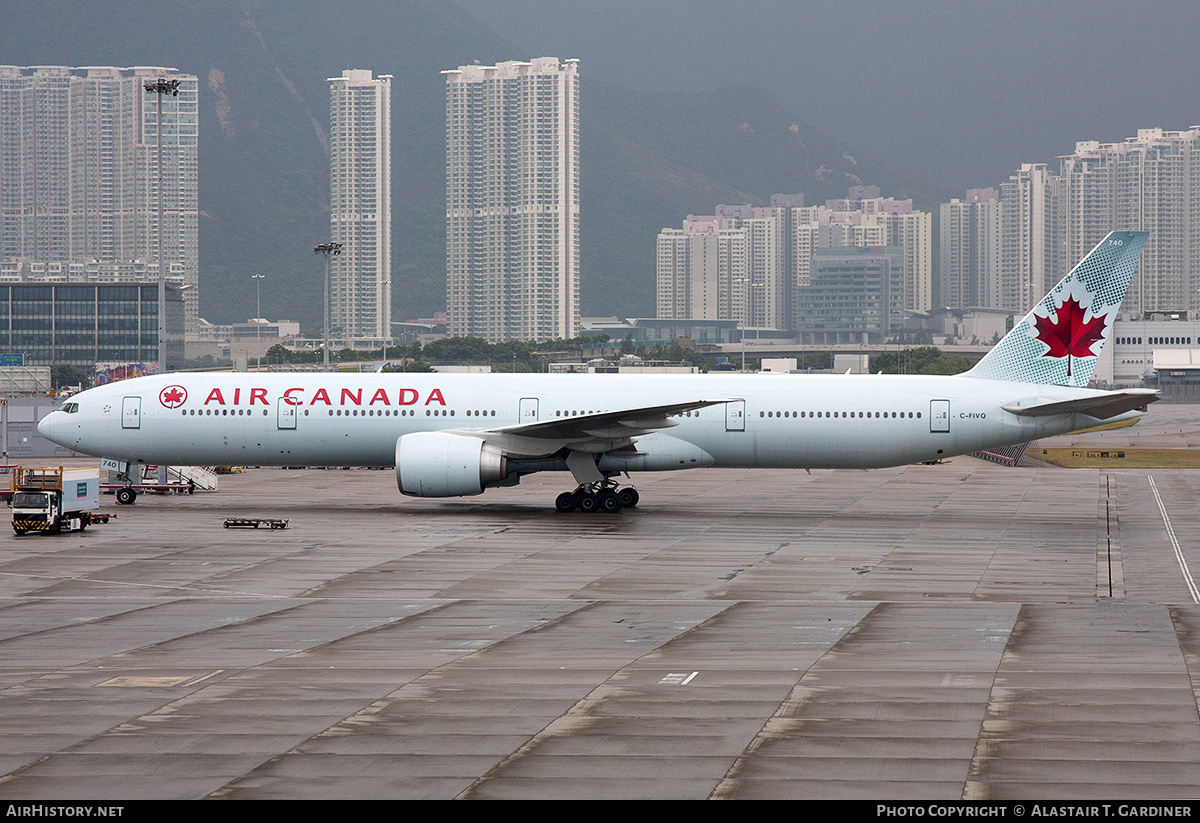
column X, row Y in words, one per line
column 54, row 500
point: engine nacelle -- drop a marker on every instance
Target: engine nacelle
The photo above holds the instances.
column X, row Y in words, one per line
column 436, row 464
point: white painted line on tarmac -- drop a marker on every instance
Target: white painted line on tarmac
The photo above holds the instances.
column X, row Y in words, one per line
column 677, row 679
column 1183, row 566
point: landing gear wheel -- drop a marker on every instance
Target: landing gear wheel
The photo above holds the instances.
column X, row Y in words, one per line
column 588, row 502
column 629, row 497
column 126, row 496
column 565, row 502
column 610, row 502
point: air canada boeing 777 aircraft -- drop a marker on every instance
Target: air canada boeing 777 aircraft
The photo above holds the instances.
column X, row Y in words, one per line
column 456, row 434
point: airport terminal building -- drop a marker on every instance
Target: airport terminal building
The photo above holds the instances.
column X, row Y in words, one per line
column 82, row 324
column 1157, row 350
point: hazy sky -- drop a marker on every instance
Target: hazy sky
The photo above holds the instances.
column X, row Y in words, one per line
column 962, row 92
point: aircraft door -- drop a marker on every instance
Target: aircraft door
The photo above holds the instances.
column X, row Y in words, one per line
column 735, row 416
column 131, row 413
column 939, row 416
column 285, row 414
column 529, row 410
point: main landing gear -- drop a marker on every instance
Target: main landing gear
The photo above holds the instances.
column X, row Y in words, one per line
column 597, row 497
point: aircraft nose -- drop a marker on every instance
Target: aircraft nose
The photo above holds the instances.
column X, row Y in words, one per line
column 46, row 425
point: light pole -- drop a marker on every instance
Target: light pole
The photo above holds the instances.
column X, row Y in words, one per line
column 258, row 278
column 158, row 88
column 741, row 281
column 757, row 324
column 327, row 249
column 749, row 285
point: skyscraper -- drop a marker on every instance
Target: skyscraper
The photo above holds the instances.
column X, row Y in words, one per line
column 703, row 271
column 1151, row 182
column 766, row 291
column 512, row 200
column 79, row 171
column 754, row 265
column 1031, row 237
column 905, row 227
column 360, row 204
column 731, row 265
column 970, row 250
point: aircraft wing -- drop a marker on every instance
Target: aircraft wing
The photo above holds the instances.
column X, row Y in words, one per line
column 596, row 432
column 1101, row 406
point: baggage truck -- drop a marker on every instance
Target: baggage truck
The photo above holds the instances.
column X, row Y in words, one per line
column 54, row 500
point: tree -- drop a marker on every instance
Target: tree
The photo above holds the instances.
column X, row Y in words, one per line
column 458, row 350
column 63, row 375
column 921, row 360
column 679, row 353
column 408, row 364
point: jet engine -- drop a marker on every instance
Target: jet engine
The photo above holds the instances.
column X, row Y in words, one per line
column 437, row 464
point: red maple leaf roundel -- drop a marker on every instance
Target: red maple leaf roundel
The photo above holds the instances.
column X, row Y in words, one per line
column 1070, row 335
column 172, row 396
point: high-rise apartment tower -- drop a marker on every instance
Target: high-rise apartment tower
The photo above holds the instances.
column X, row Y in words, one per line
column 512, row 200
column 1150, row 182
column 754, row 265
column 1031, row 236
column 79, row 170
column 360, row 204
column 970, row 250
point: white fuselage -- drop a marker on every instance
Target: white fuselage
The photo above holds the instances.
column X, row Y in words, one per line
column 771, row 421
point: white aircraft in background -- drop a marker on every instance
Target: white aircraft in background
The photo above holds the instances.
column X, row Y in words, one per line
column 450, row 435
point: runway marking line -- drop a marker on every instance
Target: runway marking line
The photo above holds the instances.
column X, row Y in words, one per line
column 1183, row 566
column 677, row 679
column 146, row 681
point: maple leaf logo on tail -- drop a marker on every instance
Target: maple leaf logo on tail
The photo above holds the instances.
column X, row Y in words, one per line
column 1070, row 335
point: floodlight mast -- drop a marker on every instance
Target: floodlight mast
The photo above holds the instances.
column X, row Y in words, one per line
column 158, row 88
column 327, row 249
column 258, row 278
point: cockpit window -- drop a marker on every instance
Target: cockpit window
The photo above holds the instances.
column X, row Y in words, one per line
column 69, row 408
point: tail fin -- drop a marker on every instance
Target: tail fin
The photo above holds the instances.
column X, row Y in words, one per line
column 1059, row 341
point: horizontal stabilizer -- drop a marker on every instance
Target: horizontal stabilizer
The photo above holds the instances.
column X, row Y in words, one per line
column 1102, row 407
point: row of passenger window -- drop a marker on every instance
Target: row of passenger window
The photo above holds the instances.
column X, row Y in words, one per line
column 872, row 415
column 492, row 413
column 347, row 412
